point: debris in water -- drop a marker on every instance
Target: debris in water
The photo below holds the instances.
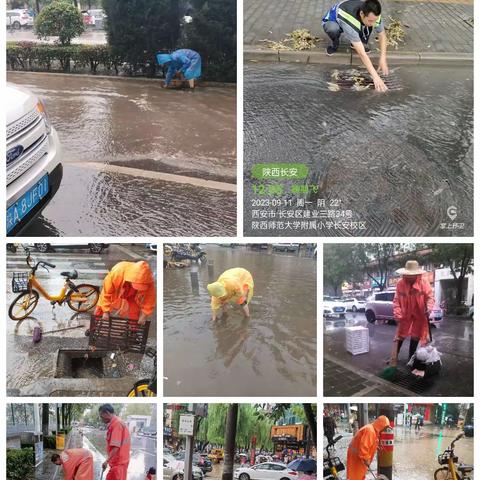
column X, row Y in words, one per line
column 395, row 33
column 300, row 39
column 333, row 87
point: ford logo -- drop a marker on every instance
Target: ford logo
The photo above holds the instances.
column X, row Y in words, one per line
column 14, row 153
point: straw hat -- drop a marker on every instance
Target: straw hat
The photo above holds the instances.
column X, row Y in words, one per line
column 411, row 268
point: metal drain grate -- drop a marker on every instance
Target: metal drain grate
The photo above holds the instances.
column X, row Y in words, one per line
column 405, row 379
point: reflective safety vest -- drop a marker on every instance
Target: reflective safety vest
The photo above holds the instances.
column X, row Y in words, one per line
column 349, row 12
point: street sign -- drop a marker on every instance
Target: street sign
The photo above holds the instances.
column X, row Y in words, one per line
column 187, row 425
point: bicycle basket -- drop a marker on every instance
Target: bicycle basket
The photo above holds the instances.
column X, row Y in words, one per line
column 333, row 462
column 20, row 282
column 445, row 457
column 118, row 334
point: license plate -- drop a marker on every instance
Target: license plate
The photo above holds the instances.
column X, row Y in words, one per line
column 26, row 203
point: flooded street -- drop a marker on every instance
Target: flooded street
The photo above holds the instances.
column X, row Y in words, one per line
column 137, row 157
column 35, row 365
column 271, row 353
column 415, row 453
column 401, row 163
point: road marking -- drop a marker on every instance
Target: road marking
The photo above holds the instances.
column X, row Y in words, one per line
column 129, row 252
column 166, row 177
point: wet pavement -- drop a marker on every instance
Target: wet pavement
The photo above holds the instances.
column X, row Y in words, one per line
column 395, row 164
column 32, row 367
column 272, row 353
column 453, row 339
column 415, row 453
column 122, row 142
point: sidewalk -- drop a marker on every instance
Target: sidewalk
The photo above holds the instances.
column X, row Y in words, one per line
column 435, row 28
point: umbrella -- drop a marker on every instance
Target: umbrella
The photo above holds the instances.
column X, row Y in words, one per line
column 303, row 465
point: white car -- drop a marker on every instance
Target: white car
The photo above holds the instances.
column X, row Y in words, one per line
column 353, row 304
column 173, row 469
column 18, row 18
column 333, row 308
column 266, row 471
column 34, row 170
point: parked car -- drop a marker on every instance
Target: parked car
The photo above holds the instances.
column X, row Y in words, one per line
column 88, row 19
column 333, row 308
column 51, row 247
column 200, row 461
column 266, row 471
column 380, row 307
column 34, row 168
column 173, row 469
column 98, row 16
column 354, row 304
column 16, row 19
column 285, row 247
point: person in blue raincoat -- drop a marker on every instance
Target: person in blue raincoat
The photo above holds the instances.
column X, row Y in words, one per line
column 185, row 61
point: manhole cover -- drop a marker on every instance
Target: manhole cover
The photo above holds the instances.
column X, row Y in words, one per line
column 405, row 379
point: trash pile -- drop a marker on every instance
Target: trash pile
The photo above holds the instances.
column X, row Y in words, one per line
column 395, row 33
column 300, row 39
column 425, row 362
column 351, row 79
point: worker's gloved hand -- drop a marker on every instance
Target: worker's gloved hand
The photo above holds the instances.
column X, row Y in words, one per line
column 106, row 316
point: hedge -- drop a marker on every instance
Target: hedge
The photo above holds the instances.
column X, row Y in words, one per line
column 20, row 464
column 34, row 56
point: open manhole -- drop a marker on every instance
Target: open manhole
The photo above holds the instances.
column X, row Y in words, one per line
column 76, row 364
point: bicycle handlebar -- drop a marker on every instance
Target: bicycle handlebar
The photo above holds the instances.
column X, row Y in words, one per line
column 51, row 265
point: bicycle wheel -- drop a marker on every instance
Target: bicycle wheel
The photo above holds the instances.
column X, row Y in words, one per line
column 23, row 305
column 443, row 474
column 84, row 298
column 140, row 389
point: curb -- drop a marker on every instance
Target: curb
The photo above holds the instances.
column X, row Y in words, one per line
column 255, row 54
column 119, row 77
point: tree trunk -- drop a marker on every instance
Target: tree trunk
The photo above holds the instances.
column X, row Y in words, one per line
column 312, row 422
column 37, row 4
column 230, row 434
column 45, row 419
column 459, row 290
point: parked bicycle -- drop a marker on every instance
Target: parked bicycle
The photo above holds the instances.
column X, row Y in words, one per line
column 332, row 465
column 146, row 387
column 80, row 298
column 451, row 469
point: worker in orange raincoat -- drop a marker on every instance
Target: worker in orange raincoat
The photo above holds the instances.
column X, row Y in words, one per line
column 412, row 305
column 118, row 444
column 77, row 463
column 128, row 291
column 233, row 286
column 363, row 446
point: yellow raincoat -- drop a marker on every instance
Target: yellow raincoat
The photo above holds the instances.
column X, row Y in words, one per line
column 237, row 288
column 119, row 295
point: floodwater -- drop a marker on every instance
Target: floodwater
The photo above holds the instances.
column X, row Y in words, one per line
column 415, row 453
column 119, row 138
column 272, row 353
column 27, row 362
column 400, row 162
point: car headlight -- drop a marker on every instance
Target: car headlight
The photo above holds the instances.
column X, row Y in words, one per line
column 41, row 110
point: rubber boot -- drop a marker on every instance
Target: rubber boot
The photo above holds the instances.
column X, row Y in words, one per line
column 413, row 347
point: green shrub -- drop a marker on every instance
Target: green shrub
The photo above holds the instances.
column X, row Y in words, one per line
column 60, row 18
column 20, row 464
column 49, row 441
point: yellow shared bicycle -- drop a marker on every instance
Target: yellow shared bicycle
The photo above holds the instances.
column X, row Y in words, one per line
column 79, row 298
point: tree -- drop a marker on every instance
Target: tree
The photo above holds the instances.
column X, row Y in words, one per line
column 212, row 33
column 138, row 29
column 230, row 434
column 458, row 257
column 61, row 19
column 338, row 266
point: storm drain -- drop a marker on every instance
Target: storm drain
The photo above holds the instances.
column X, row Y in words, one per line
column 75, row 364
column 405, row 379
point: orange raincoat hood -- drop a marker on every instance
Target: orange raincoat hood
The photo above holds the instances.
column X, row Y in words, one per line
column 138, row 272
column 381, row 423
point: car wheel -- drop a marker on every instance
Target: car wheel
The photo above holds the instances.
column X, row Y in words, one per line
column 244, row 476
column 370, row 316
column 354, row 309
column 96, row 247
column 16, row 25
column 42, row 247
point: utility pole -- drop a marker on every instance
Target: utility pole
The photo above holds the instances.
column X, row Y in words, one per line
column 187, row 428
column 385, row 454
